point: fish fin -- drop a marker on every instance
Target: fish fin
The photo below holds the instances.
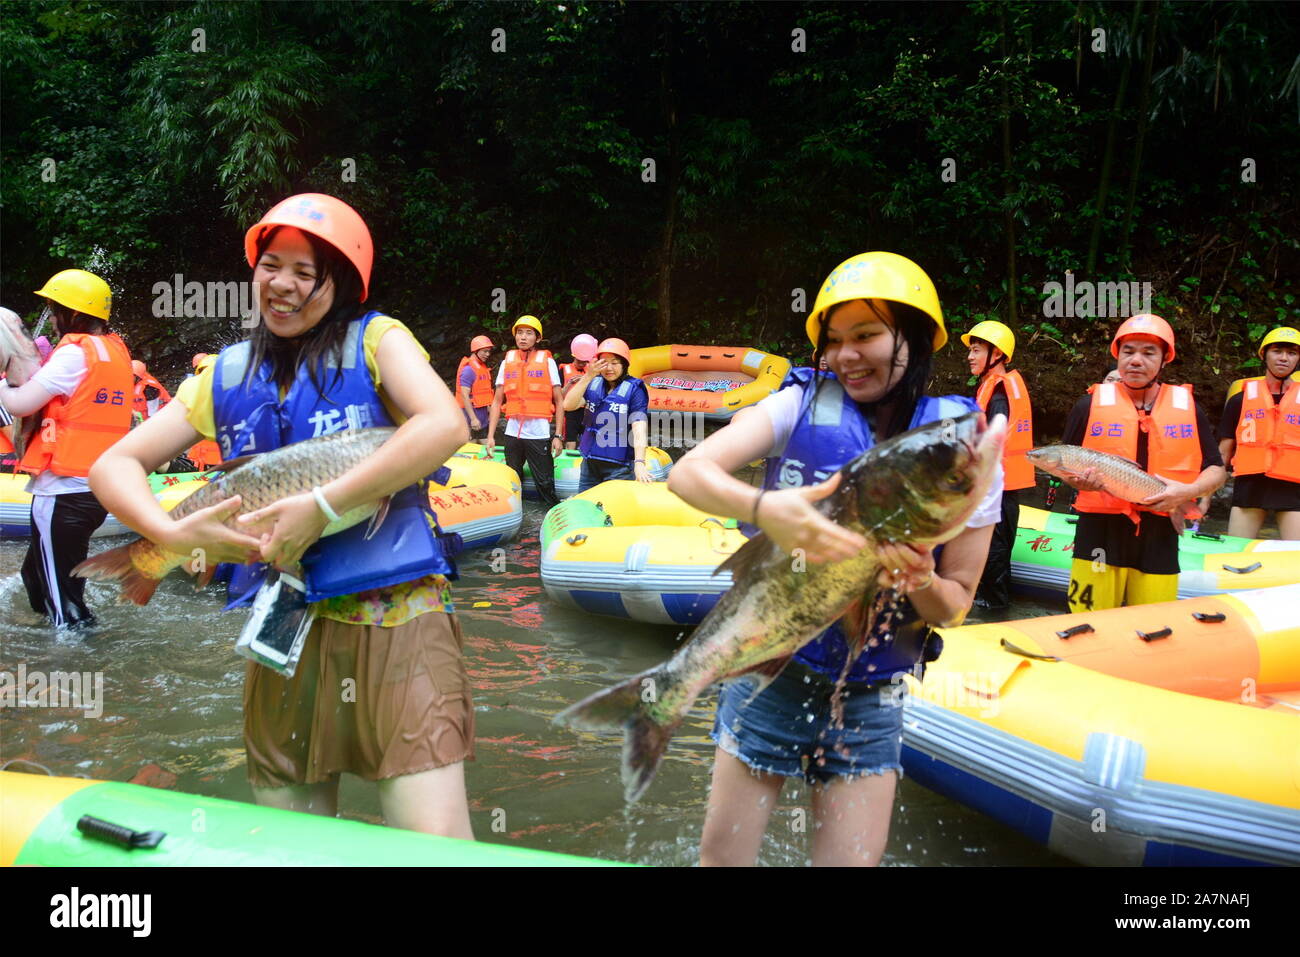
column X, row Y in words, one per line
column 115, row 565
column 744, row 559
column 622, row 707
column 229, row 465
column 378, row 518
column 764, row 674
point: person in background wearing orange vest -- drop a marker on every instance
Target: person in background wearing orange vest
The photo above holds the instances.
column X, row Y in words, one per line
column 1002, row 392
column 528, row 385
column 150, row 396
column 83, row 394
column 205, row 453
column 1127, row 554
column 583, row 348
column 1261, row 438
column 474, row 387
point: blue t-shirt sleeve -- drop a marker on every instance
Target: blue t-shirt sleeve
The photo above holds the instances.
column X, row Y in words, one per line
column 466, row 380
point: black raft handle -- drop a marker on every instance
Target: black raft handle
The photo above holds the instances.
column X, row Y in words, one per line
column 1155, row 635
column 1208, row 616
column 1207, row 536
column 1244, row 571
column 1083, row 629
column 119, row 835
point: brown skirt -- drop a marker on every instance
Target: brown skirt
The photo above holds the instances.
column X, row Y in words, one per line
column 375, row 702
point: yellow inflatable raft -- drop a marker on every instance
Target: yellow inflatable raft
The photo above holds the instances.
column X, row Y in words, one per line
column 714, row 381
column 1160, row 734
column 632, row 550
column 16, row 504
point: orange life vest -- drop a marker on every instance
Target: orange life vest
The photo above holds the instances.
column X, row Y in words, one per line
column 1173, row 444
column 1268, row 432
column 480, row 391
column 527, row 385
column 204, row 454
column 569, row 374
column 1017, row 471
column 77, row 429
column 140, row 402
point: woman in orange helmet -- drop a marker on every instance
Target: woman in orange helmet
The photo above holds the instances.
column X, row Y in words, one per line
column 1127, row 554
column 615, row 427
column 384, row 630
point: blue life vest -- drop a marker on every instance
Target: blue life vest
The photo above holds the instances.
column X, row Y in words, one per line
column 251, row 418
column 606, row 429
column 828, row 435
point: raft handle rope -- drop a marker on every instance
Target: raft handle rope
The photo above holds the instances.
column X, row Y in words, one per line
column 1080, row 629
column 1155, row 635
column 1243, row 571
column 1208, row 536
column 119, row 835
column 1017, row 650
column 577, row 539
column 1207, row 616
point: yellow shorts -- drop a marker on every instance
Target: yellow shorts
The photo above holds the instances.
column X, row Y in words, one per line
column 1113, row 586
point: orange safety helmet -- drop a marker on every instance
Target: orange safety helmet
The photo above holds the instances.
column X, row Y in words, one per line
column 1145, row 324
column 480, row 342
column 198, row 357
column 137, row 367
column 326, row 218
column 616, row 346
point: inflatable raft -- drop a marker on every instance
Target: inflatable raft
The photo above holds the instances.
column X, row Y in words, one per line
column 16, row 504
column 1040, row 561
column 482, row 500
column 39, row 818
column 1164, row 734
column 714, row 381
column 630, row 550
column 568, row 467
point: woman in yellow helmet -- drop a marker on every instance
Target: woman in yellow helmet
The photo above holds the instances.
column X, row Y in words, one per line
column 1260, row 432
column 84, row 394
column 1002, row 391
column 877, row 322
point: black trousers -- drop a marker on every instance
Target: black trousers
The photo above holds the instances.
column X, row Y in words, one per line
column 61, row 530
column 994, row 589
column 540, row 463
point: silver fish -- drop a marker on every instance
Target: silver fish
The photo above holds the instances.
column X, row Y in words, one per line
column 19, row 361
column 1121, row 477
column 920, row 487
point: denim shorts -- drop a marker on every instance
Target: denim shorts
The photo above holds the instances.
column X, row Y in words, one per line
column 789, row 728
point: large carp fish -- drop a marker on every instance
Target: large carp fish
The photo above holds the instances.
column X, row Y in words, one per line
column 920, row 487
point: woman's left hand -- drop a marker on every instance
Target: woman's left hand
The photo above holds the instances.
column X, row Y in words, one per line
column 290, row 527
column 642, row 472
column 905, row 567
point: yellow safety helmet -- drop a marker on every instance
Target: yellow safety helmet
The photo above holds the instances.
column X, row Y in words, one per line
column 878, row 275
column 532, row 322
column 1285, row 334
column 80, row 291
column 995, row 333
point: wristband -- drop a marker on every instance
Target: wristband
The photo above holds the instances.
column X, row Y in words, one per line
column 928, row 582
column 638, row 461
column 319, row 496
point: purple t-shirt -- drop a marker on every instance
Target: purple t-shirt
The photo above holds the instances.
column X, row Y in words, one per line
column 466, row 381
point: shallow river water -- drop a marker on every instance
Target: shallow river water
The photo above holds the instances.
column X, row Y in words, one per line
column 172, row 717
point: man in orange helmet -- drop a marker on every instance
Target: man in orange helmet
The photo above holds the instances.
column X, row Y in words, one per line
column 1126, row 554
column 474, row 387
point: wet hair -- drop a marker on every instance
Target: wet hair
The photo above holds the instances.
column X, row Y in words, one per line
column 916, row 329
column 68, row 320
column 324, row 341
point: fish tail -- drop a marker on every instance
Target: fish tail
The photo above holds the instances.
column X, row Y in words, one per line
column 624, row 708
column 116, row 565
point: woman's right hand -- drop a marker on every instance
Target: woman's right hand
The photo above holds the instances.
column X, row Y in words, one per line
column 206, row 531
column 1089, row 480
column 789, row 519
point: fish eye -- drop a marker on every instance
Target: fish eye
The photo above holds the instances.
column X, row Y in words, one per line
column 955, row 481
